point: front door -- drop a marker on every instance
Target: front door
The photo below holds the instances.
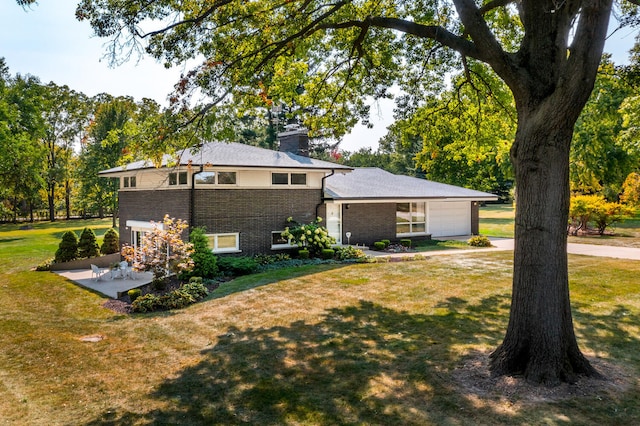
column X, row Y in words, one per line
column 334, row 221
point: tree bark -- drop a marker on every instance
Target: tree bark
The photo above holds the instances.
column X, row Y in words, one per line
column 540, row 342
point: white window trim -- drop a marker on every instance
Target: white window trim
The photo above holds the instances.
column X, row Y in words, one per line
column 177, row 173
column 281, row 246
column 215, row 248
column 217, row 182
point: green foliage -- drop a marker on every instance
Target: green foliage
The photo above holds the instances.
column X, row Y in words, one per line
column 349, row 253
column 268, row 259
column 237, row 266
column 180, row 298
column 595, row 210
column 88, row 244
column 631, row 190
column 387, row 243
column 479, row 241
column 204, row 261
column 378, row 245
column 304, row 254
column 133, row 294
column 405, row 242
column 45, row 266
column 147, row 303
column 311, row 236
column 601, row 155
column 110, row 242
column 68, row 248
column 328, row 254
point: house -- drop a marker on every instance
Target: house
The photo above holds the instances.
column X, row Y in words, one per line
column 243, row 195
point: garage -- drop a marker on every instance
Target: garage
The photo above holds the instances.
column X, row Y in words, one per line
column 449, row 218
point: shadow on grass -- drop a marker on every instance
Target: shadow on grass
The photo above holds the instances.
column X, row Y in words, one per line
column 361, row 364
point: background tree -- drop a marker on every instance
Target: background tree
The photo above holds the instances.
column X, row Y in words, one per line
column 66, row 114
column 104, row 147
column 547, row 53
column 599, row 158
column 21, row 127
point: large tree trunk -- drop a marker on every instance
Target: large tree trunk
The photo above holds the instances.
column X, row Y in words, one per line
column 540, row 342
column 51, row 199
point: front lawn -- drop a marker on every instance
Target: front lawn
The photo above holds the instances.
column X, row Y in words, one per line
column 377, row 343
column 496, row 220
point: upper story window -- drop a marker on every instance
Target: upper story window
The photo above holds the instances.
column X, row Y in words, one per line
column 177, row 178
column 129, row 182
column 213, row 178
column 288, row 178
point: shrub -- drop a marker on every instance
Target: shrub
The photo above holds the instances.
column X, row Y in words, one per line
column 378, row 245
column 387, row 243
column 479, row 241
column 177, row 299
column 147, row 303
column 195, row 280
column 303, row 254
column 45, row 266
column 68, row 247
column 242, row 265
column 205, row 263
column 159, row 283
column 328, row 254
column 349, row 252
column 267, row 259
column 88, row 244
column 595, row 209
column 133, row 294
column 110, row 243
column 311, row 236
column 405, row 242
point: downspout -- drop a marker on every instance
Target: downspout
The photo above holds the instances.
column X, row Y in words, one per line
column 192, row 198
column 322, row 197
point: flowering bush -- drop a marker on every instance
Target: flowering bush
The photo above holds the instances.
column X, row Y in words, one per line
column 161, row 250
column 311, row 236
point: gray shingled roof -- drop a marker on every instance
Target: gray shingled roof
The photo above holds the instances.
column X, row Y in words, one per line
column 374, row 183
column 236, row 155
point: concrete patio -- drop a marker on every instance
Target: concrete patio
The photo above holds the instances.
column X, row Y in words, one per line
column 110, row 286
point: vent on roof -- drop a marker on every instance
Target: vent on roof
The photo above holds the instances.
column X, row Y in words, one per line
column 295, row 140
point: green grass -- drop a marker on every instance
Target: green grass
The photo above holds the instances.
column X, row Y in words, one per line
column 496, row 220
column 431, row 245
column 319, row 345
column 22, row 249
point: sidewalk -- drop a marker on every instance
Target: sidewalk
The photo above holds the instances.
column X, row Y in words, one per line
column 504, row 244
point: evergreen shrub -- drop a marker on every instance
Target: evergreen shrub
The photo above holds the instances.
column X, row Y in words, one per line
column 88, row 244
column 68, row 247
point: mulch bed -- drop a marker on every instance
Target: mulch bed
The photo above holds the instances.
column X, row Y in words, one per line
column 122, row 305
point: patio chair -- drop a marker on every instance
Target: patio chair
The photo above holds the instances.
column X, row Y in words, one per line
column 97, row 273
column 126, row 270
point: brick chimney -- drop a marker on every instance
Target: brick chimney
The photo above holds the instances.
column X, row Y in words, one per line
column 295, row 140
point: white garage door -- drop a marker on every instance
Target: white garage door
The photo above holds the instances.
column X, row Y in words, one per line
column 449, row 218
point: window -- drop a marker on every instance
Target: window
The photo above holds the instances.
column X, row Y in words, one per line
column 279, row 178
column 283, row 179
column 280, row 242
column 179, row 178
column 209, row 178
column 226, row 178
column 206, row 178
column 129, row 182
column 298, row 178
column 410, row 218
column 224, row 243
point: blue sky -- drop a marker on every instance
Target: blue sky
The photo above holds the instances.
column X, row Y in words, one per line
column 49, row 43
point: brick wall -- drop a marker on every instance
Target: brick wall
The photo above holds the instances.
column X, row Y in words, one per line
column 254, row 213
column 369, row 222
column 151, row 205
